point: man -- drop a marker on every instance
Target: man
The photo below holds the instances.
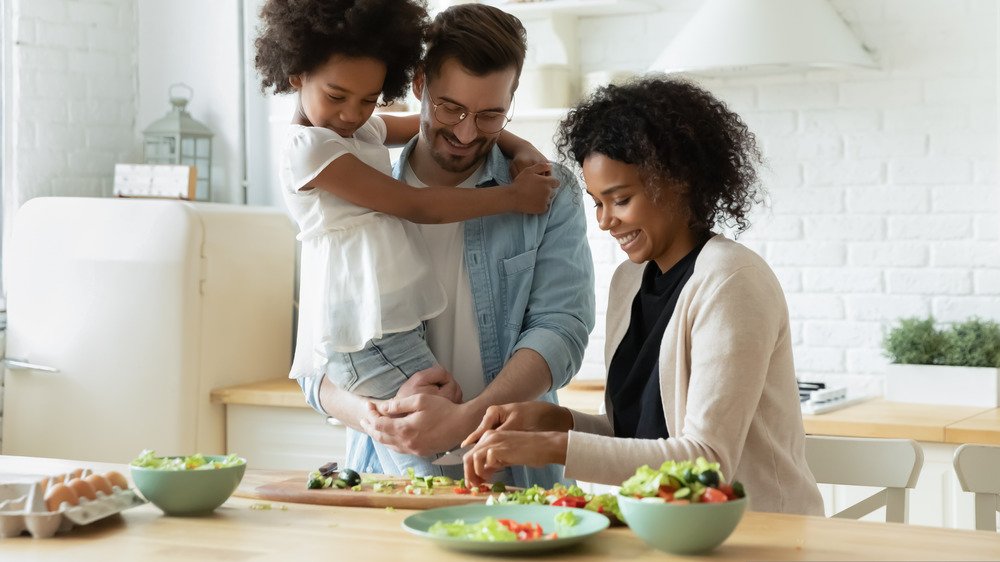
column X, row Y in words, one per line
column 520, row 287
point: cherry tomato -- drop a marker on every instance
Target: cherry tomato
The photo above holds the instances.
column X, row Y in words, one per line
column 713, row 495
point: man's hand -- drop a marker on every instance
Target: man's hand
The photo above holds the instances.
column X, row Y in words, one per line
column 436, row 380
column 422, row 424
column 523, row 416
column 499, row 449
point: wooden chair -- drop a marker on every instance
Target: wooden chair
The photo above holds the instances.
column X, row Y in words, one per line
column 978, row 471
column 891, row 464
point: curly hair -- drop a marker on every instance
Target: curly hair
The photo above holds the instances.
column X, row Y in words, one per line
column 297, row 36
column 680, row 137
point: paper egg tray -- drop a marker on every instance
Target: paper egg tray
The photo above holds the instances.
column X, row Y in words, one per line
column 22, row 508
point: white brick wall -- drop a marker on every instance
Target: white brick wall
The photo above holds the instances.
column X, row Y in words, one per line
column 72, row 99
column 882, row 183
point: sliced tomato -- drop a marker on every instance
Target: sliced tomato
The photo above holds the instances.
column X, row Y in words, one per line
column 666, row 492
column 570, row 501
column 461, row 490
column 728, row 490
column 485, row 488
column 713, row 495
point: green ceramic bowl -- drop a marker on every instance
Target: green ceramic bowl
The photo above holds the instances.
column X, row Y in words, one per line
column 682, row 529
column 188, row 492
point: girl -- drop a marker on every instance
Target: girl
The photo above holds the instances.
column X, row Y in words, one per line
column 365, row 286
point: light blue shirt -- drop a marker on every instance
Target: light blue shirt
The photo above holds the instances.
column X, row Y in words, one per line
column 532, row 280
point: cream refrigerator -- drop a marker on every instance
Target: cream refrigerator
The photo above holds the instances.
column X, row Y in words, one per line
column 124, row 314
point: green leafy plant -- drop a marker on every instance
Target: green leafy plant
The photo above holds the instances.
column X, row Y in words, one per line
column 916, row 341
column 974, row 343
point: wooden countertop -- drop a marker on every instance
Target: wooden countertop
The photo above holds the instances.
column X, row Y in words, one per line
column 583, row 395
column 921, row 422
column 236, row 531
column 875, row 418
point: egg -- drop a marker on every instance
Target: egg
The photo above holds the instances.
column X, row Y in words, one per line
column 83, row 488
column 58, row 479
column 58, row 494
column 99, row 483
column 76, row 473
column 116, row 479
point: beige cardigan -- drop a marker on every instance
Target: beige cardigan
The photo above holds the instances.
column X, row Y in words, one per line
column 727, row 381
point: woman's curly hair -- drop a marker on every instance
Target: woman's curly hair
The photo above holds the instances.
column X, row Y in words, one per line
column 681, row 138
column 299, row 35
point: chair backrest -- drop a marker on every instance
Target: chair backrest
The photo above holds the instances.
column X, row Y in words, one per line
column 891, row 464
column 978, row 471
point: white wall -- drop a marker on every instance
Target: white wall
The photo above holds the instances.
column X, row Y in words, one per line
column 883, row 184
column 197, row 43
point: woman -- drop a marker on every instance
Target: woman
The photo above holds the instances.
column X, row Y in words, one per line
column 698, row 350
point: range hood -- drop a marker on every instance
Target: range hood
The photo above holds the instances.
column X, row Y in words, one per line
column 752, row 37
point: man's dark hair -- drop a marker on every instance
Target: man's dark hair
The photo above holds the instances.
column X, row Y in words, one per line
column 482, row 38
column 300, row 35
column 680, row 137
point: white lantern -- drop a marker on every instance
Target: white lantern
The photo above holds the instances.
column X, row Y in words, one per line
column 178, row 139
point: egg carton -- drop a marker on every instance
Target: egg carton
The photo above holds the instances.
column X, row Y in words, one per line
column 22, row 508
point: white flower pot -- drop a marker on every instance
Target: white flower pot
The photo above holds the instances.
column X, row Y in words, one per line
column 940, row 384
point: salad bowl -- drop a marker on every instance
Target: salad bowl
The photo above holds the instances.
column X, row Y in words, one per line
column 187, row 485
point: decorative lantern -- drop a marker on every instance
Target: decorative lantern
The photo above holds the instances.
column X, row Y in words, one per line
column 178, row 139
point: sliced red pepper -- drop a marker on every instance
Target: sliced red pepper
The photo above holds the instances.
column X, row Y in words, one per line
column 461, row 490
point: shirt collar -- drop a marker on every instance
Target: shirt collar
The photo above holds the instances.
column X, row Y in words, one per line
column 496, row 171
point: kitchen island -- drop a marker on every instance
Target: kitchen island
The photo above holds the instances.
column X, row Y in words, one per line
column 241, row 530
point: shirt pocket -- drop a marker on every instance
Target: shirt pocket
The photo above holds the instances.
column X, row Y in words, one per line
column 516, row 274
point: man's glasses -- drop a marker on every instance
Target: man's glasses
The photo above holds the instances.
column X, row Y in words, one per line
column 488, row 122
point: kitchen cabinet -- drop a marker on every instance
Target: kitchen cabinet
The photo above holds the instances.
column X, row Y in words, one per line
column 270, row 425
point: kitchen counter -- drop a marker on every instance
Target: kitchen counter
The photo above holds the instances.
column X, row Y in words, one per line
column 875, row 418
column 585, row 396
column 236, row 531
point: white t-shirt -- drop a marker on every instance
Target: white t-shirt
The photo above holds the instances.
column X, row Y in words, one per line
column 364, row 274
column 453, row 335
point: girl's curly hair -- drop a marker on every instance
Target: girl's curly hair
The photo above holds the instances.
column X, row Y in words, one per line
column 299, row 35
column 681, row 138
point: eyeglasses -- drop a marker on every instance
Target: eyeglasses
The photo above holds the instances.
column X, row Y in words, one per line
column 488, row 122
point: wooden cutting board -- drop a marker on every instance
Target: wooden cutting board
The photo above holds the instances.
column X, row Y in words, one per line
column 290, row 486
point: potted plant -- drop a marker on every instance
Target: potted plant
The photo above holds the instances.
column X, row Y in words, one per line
column 959, row 365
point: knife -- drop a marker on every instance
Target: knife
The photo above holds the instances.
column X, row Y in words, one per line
column 453, row 456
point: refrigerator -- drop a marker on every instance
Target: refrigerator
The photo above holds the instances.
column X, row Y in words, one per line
column 124, row 315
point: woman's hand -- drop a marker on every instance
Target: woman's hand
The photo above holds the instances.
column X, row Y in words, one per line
column 435, row 380
column 523, row 416
column 499, row 449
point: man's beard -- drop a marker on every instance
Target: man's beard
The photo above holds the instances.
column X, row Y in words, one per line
column 460, row 164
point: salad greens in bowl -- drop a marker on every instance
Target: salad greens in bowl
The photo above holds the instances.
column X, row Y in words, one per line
column 684, row 507
column 187, row 485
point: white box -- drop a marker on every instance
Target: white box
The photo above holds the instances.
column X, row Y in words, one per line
column 943, row 385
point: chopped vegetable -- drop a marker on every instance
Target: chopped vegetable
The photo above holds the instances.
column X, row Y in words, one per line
column 697, row 481
column 566, row 519
column 491, row 530
column 148, row 459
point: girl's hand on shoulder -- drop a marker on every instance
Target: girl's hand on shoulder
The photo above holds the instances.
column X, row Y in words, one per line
column 499, row 449
column 534, row 189
column 525, row 157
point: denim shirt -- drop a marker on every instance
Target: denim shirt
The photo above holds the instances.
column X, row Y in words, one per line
column 532, row 280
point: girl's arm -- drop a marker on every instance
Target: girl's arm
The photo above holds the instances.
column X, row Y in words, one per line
column 401, row 128
column 351, row 179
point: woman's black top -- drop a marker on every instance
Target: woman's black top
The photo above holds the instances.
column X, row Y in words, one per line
column 633, row 376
